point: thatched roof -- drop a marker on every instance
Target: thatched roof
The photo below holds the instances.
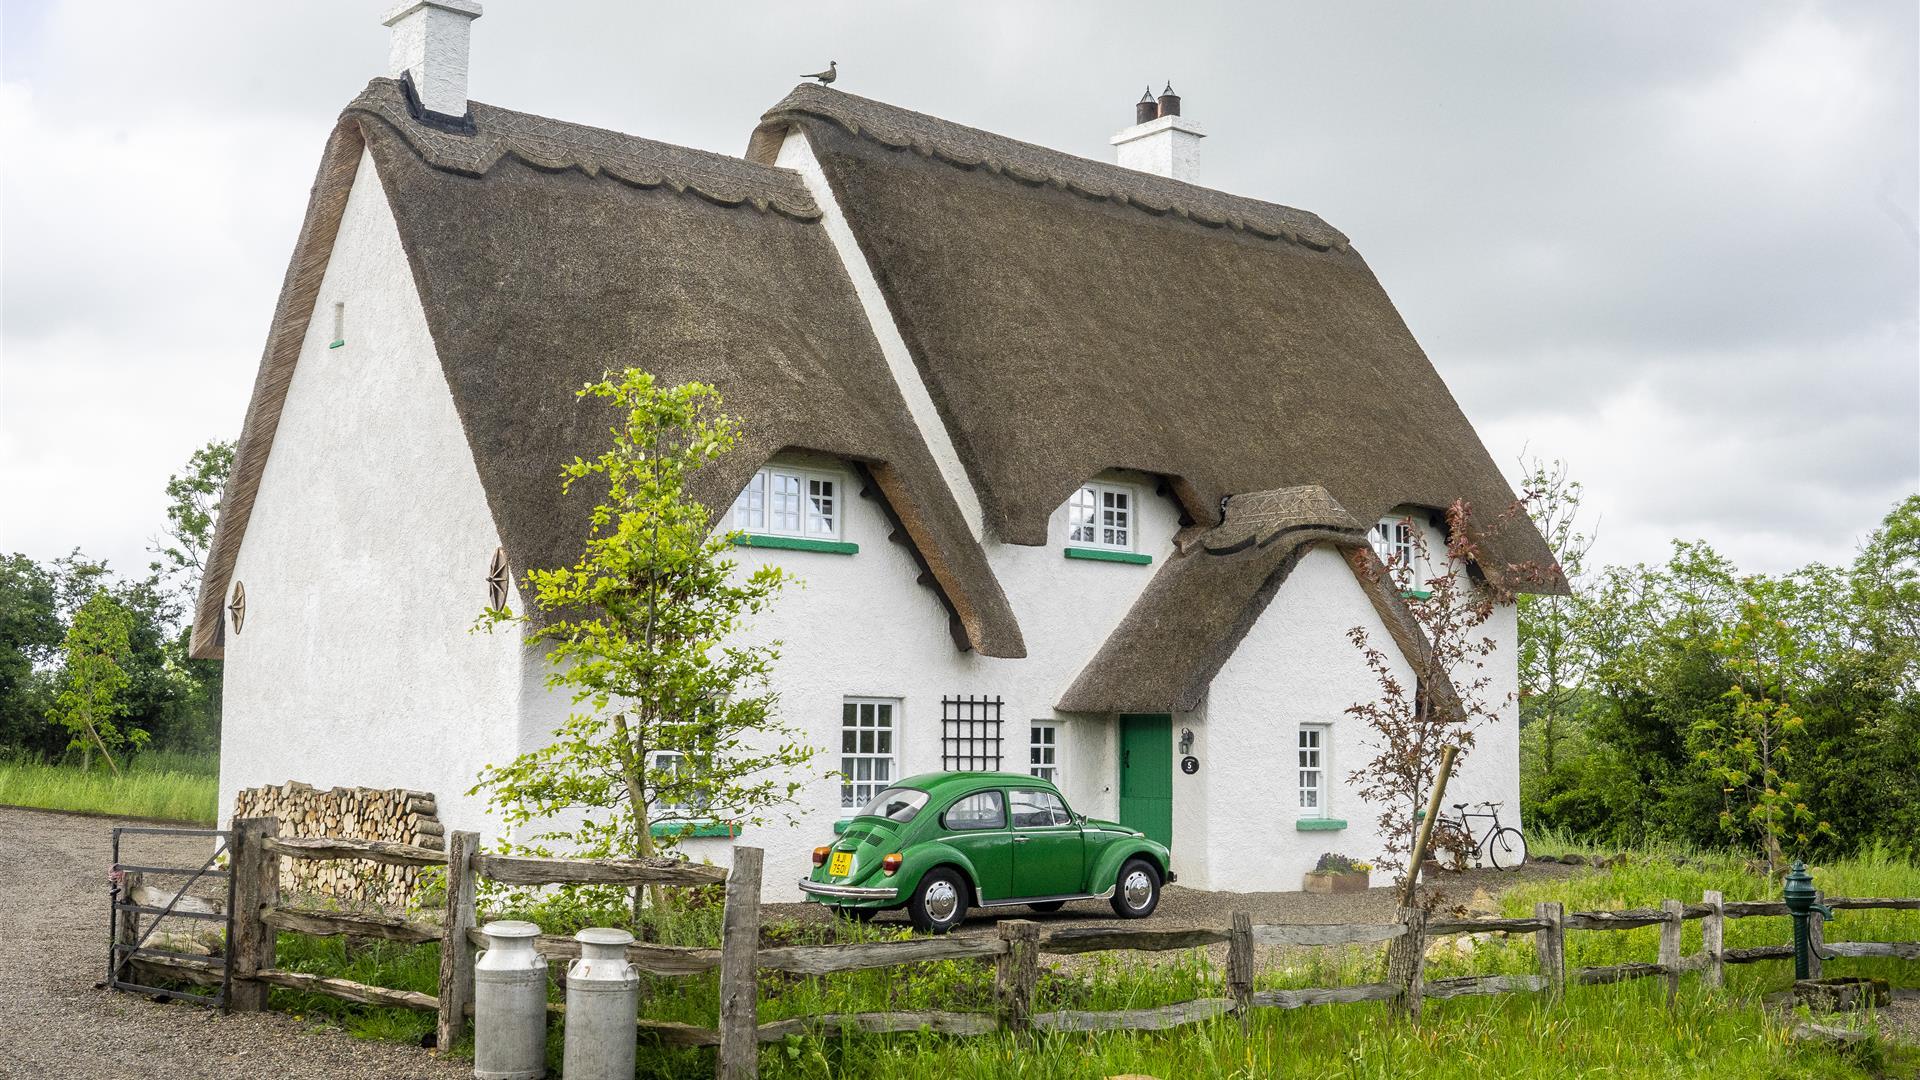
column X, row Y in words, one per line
column 1070, row 316
column 547, row 252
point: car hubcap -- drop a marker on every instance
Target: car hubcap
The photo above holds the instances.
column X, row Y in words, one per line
column 942, row 900
column 1137, row 888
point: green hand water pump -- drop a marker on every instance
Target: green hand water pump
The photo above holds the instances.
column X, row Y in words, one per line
column 1800, row 896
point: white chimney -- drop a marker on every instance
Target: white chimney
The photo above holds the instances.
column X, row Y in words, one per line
column 1162, row 141
column 430, row 43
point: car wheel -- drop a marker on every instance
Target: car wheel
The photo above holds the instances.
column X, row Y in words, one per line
column 857, row 914
column 1048, row 905
column 940, row 903
column 1136, row 892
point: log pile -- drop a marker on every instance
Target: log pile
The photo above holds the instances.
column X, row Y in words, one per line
column 396, row 814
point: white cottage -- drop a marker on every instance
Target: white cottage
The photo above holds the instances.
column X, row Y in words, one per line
column 1070, row 456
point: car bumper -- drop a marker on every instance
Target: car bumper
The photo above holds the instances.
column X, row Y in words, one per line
column 846, row 892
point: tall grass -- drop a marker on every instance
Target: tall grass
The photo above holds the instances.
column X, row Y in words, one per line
column 1622, row 1030
column 162, row 785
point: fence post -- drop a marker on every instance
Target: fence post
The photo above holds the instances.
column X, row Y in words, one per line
column 456, row 948
column 1407, row 961
column 1816, row 936
column 1016, row 973
column 256, row 887
column 739, row 1057
column 1240, row 965
column 1713, row 938
column 1550, row 946
column 1670, row 928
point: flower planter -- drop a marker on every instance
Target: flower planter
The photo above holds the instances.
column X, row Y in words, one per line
column 1317, row 881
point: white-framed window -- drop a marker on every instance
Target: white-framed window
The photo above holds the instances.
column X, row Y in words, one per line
column 1043, row 750
column 1393, row 541
column 1101, row 516
column 675, row 764
column 1313, row 770
column 787, row 501
column 868, row 741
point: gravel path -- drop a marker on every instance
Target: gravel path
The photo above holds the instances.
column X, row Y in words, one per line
column 54, row 1024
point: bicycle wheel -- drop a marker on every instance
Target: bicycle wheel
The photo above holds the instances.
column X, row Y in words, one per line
column 1507, row 849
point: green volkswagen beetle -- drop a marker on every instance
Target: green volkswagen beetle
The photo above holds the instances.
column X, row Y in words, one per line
column 940, row 843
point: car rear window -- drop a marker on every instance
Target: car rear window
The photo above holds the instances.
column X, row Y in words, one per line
column 981, row 810
column 895, row 804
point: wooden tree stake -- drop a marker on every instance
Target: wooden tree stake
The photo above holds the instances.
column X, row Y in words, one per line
column 1016, row 973
column 256, row 887
column 1670, row 946
column 1713, row 938
column 1816, row 937
column 1550, row 945
column 1240, row 966
column 739, row 1057
column 456, row 948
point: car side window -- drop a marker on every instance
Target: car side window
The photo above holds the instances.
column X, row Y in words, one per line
column 1038, row 810
column 981, row 810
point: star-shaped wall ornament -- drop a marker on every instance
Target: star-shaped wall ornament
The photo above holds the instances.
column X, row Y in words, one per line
column 498, row 579
column 237, row 607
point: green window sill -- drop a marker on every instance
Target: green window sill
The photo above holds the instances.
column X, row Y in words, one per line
column 1103, row 555
column 795, row 543
column 1416, row 594
column 336, row 344
column 685, row 829
column 1320, row 824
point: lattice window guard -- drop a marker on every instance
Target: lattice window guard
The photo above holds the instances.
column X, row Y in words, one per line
column 970, row 734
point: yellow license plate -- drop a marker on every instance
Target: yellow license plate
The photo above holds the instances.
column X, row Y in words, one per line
column 842, row 864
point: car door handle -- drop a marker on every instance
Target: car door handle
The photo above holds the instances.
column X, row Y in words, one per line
column 1021, row 839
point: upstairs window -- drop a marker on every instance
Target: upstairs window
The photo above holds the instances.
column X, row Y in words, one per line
column 1393, row 541
column 1101, row 516
column 782, row 501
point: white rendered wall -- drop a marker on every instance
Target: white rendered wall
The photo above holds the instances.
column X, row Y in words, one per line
column 365, row 559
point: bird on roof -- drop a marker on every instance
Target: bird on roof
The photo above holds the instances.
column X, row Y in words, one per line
column 827, row 76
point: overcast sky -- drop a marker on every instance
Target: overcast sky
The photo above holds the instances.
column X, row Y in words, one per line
column 1674, row 244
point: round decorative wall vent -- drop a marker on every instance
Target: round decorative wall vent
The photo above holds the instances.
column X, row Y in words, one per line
column 237, row 608
column 498, row 579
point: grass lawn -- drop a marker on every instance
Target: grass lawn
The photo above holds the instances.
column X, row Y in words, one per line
column 171, row 787
column 1622, row 1030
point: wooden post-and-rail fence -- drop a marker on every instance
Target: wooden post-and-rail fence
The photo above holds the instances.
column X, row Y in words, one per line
column 1014, row 950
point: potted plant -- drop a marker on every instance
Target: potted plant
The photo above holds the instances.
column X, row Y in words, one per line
column 1338, row 874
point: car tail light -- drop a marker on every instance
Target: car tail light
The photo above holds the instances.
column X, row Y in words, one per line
column 892, row 862
column 820, row 856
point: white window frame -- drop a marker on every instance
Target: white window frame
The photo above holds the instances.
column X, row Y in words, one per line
column 1092, row 497
column 805, row 482
column 1313, row 777
column 856, row 792
column 1043, row 757
column 1394, row 539
column 677, row 812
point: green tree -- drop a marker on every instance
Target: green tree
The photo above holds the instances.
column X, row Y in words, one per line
column 193, row 510
column 31, row 630
column 673, row 719
column 1551, row 655
column 94, row 679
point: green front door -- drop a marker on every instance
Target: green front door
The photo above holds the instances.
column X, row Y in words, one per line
column 1146, row 775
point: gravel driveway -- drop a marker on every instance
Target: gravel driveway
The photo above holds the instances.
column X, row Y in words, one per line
column 53, row 1023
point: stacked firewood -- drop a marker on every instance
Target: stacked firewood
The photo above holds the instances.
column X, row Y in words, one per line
column 395, row 814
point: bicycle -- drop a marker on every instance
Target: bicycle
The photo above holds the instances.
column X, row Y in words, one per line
column 1502, row 846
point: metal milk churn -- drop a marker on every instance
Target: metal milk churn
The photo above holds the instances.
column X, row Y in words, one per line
column 603, row 992
column 510, row 1004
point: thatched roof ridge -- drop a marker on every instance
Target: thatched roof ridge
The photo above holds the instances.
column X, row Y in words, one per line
column 1034, row 165
column 537, row 275
column 544, row 143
